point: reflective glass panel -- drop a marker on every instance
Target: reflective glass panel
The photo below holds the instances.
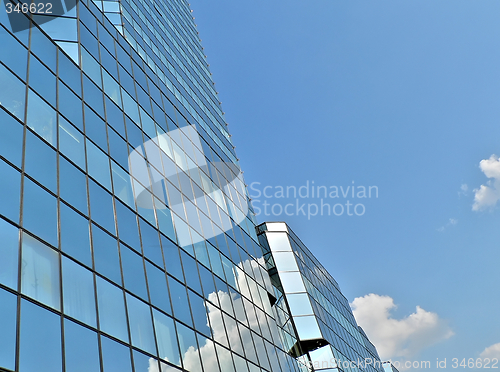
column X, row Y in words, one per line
column 73, row 185
column 106, row 257
column 41, row 162
column 168, row 348
column 8, row 310
column 13, row 98
column 133, row 272
column 9, row 253
column 40, row 340
column 10, row 184
column 189, row 348
column 80, row 348
column 78, row 292
column 11, row 138
column 40, row 272
column 71, row 142
column 141, row 325
column 158, row 290
column 111, row 306
column 40, row 212
column 41, row 118
column 75, row 239
column 115, row 356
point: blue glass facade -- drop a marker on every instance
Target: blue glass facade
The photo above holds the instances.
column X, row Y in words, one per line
column 318, row 320
column 126, row 239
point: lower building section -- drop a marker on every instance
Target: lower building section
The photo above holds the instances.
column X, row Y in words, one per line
column 314, row 316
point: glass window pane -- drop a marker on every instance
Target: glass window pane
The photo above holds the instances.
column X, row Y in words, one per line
column 73, row 185
column 114, row 117
column 9, row 253
column 106, row 259
column 299, row 304
column 78, row 292
column 191, row 270
column 40, row 344
column 292, row 282
column 141, row 325
column 42, row 81
column 115, row 356
column 44, row 49
column 144, row 363
column 75, row 239
column 8, row 310
column 118, row 148
column 278, row 242
column 13, row 98
column 70, row 106
column 285, row 261
column 41, row 118
column 93, row 96
column 158, row 290
column 80, row 348
column 11, row 138
column 70, row 73
column 40, row 272
column 173, row 261
column 151, row 243
column 41, row 162
column 10, row 187
column 133, row 272
column 168, row 347
column 199, row 314
column 98, row 164
column 40, row 212
column 127, row 226
column 189, row 348
column 112, row 317
column 101, row 207
column 71, row 143
column 207, row 352
column 13, row 54
column 226, row 362
column 180, row 301
column 95, row 129
column 307, row 327
column 58, row 28
column 122, row 185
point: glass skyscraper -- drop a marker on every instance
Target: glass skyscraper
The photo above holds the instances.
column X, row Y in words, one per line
column 312, row 309
column 127, row 242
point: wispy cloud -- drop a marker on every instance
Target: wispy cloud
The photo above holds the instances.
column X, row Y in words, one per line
column 492, row 351
column 487, row 196
column 398, row 338
column 464, row 188
column 451, row 222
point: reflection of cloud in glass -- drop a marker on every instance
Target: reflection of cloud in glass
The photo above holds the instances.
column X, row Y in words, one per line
column 234, row 335
column 176, row 164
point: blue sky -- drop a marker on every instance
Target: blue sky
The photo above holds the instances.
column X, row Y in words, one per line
column 403, row 95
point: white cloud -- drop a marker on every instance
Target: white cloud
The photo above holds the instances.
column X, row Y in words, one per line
column 492, row 351
column 451, row 222
column 464, row 188
column 395, row 338
column 487, row 196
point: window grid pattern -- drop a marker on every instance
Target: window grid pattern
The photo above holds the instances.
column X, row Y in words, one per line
column 286, row 254
column 89, row 258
